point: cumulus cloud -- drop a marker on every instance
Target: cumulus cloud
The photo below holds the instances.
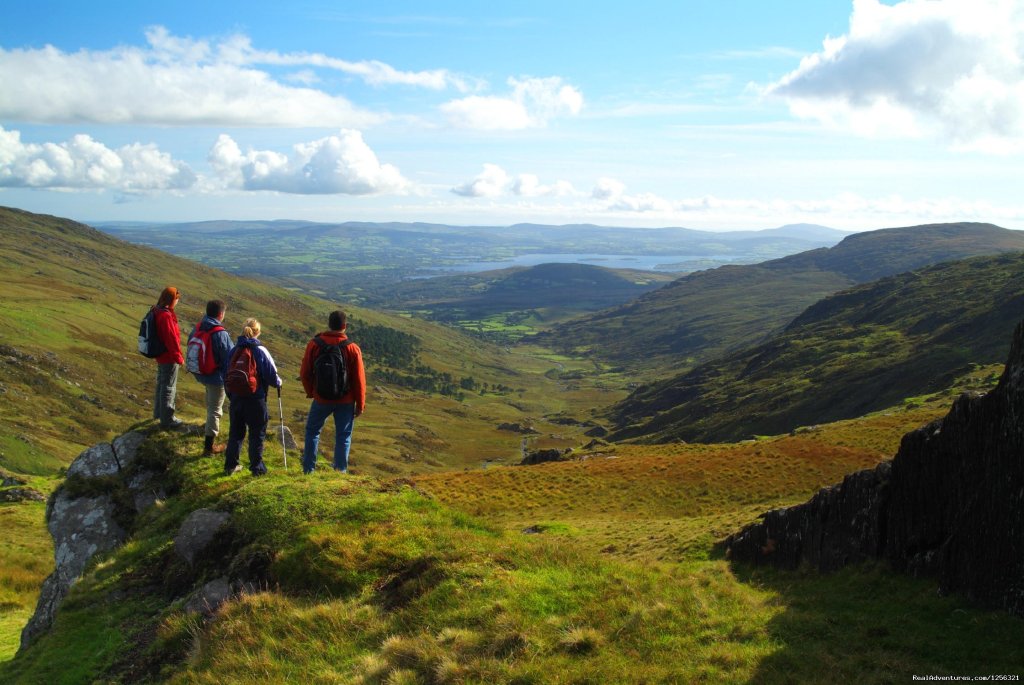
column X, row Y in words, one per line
column 86, row 164
column 953, row 68
column 181, row 81
column 613, row 193
column 494, row 181
column 491, row 182
column 531, row 103
column 341, row 164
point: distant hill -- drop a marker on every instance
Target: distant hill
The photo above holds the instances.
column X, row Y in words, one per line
column 854, row 352
column 708, row 313
column 357, row 261
column 71, row 298
column 546, row 292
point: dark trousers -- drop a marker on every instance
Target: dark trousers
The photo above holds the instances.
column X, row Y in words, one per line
column 247, row 413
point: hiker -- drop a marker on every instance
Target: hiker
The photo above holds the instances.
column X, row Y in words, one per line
column 249, row 372
column 333, row 376
column 166, row 321
column 208, row 352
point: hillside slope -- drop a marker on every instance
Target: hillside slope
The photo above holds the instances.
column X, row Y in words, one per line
column 852, row 353
column 70, row 303
column 708, row 313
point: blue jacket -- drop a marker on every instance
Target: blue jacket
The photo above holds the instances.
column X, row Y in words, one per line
column 221, row 342
column 266, row 370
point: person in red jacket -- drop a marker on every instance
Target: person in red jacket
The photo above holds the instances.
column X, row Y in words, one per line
column 343, row 403
column 168, row 362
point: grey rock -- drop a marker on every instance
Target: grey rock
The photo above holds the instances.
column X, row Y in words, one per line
column 21, row 494
column 81, row 528
column 210, row 597
column 197, row 532
column 274, row 433
column 126, row 448
column 99, row 460
column 7, row 480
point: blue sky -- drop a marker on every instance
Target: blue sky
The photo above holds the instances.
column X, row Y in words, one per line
column 707, row 115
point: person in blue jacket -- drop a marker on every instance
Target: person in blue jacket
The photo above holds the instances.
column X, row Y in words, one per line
column 248, row 404
column 220, row 347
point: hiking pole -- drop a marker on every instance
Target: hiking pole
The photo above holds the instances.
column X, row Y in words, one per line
column 280, row 409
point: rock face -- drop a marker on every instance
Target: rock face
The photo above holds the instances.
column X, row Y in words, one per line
column 83, row 526
column 950, row 504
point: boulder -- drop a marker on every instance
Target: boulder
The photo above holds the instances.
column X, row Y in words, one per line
column 95, row 462
column 274, row 434
column 81, row 528
column 210, row 597
column 21, row 494
column 197, row 532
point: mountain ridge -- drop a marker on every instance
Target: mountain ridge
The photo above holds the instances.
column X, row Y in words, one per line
column 709, row 313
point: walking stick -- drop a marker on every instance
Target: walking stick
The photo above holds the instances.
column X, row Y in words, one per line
column 280, row 409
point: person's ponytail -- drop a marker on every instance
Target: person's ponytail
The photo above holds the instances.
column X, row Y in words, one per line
column 251, row 329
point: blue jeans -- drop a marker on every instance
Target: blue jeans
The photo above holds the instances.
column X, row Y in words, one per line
column 344, row 417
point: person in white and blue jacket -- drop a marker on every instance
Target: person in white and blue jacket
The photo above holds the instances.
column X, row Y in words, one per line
column 249, row 411
column 220, row 345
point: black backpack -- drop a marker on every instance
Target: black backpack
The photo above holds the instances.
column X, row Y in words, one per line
column 330, row 372
column 150, row 344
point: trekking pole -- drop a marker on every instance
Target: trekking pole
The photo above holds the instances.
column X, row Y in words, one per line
column 280, row 408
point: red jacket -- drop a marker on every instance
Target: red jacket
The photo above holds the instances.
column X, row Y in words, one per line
column 167, row 329
column 353, row 365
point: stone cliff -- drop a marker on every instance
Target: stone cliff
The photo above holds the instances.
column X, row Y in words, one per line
column 949, row 505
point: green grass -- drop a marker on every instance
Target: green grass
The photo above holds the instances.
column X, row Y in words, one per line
column 26, row 558
column 372, row 581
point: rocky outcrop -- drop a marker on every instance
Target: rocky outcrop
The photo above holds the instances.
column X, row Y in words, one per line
column 86, row 517
column 949, row 505
column 20, row 494
column 544, row 456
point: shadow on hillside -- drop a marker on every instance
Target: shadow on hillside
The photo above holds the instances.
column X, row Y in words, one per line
column 870, row 625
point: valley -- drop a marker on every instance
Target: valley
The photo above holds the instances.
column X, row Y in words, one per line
column 680, row 408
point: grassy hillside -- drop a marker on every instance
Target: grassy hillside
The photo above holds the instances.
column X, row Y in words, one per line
column 849, row 354
column 435, row 580
column 70, row 302
column 708, row 313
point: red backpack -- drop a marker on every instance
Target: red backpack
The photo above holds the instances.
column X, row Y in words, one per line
column 199, row 357
column 242, row 377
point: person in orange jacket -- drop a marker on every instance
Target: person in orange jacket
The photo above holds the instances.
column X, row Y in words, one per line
column 333, row 376
column 170, row 361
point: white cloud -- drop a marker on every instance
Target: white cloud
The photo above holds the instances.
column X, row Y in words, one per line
column 494, row 181
column 341, row 164
column 607, row 189
column 953, row 68
column 531, row 104
column 181, row 81
column 239, row 50
column 84, row 163
column 529, row 185
column 491, row 182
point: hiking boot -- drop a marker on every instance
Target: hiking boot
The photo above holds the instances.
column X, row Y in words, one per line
column 174, row 424
column 233, row 471
column 209, row 449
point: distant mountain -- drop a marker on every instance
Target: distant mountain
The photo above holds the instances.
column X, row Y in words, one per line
column 355, row 260
column 708, row 313
column 546, row 291
column 852, row 353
